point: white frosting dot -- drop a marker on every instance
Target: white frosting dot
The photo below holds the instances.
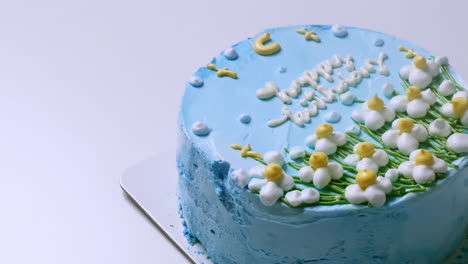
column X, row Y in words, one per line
column 388, row 89
column 230, row 54
column 240, row 177
column 273, row 157
column 200, row 129
column 458, row 142
column 355, row 129
column 339, row 31
column 443, row 60
column 447, row 88
column 196, row 81
column 332, row 117
column 347, row 98
column 297, row 152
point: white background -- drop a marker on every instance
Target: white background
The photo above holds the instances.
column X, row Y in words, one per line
column 89, row 88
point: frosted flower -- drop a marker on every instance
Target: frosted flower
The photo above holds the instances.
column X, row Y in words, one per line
column 404, row 135
column 458, row 107
column 296, row 197
column 422, row 166
column 325, row 139
column 320, row 172
column 273, row 186
column 422, row 71
column 415, row 102
column 367, row 157
column 368, row 188
column 374, row 114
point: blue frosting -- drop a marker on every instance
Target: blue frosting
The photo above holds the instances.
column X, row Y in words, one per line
column 421, row 228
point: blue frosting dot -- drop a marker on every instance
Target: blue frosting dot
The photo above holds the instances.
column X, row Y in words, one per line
column 200, row 129
column 196, row 81
column 339, row 31
column 332, row 117
column 230, row 54
column 379, row 42
column 282, row 69
column 245, row 118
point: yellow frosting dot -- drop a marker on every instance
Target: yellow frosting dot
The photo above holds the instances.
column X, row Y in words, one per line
column 459, row 105
column 365, row 149
column 424, row 157
column 375, row 103
column 412, row 93
column 405, row 125
column 366, row 178
column 324, row 130
column 318, row 160
column 273, row 172
column 420, row 62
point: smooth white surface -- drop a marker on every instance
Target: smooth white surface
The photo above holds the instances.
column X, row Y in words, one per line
column 85, row 84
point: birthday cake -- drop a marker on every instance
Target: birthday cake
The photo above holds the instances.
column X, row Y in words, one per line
column 324, row 144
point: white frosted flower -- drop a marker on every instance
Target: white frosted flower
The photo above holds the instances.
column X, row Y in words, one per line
column 369, row 188
column 273, row 186
column 308, row 196
column 458, row 142
column 415, row 102
column 374, row 113
column 320, row 172
column 367, row 157
column 404, row 135
column 422, row 166
column 240, row 177
column 421, row 72
column 440, row 127
column 325, row 139
column 274, row 157
column 458, row 107
column 447, row 88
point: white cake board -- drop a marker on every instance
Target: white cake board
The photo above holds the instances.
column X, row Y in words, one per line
column 152, row 185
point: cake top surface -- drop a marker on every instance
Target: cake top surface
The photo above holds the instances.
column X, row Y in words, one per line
column 286, row 89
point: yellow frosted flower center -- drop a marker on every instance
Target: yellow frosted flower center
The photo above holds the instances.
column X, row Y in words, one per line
column 412, row 93
column 420, row 62
column 375, row 103
column 273, row 172
column 459, row 105
column 318, row 160
column 366, row 178
column 405, row 125
column 324, row 130
column 424, row 157
column 365, row 150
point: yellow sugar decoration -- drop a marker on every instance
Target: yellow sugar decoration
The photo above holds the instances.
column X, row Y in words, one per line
column 405, row 125
column 262, row 49
column 366, row 178
column 324, row 130
column 420, row 62
column 459, row 105
column 412, row 93
column 318, row 160
column 273, row 172
column 245, row 151
column 365, row 150
column 222, row 72
column 424, row 157
column 410, row 53
column 309, row 35
column 375, row 103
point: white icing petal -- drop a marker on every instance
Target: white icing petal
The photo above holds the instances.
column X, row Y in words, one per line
column 447, row 88
column 359, row 115
column 311, row 140
column 294, row 197
column 407, row 143
column 413, row 154
column 297, row 152
column 321, row 178
column 428, row 96
column 374, row 120
column 448, row 110
column 420, row 78
column 464, row 119
column 347, row 98
column 390, row 138
column 270, row 193
column 306, row 174
column 310, row 195
column 273, row 157
column 417, row 108
column 439, row 165
column 388, row 114
column 395, row 123
column 384, row 184
column 339, row 138
column 326, row 146
column 419, row 133
column 388, row 89
column 367, row 164
column 240, row 177
column 287, row 182
column 399, row 103
column 380, row 157
column 423, row 174
column 405, row 71
column 463, row 94
column 257, row 172
column 336, row 170
column 352, row 159
column 375, row 195
column 256, row 184
column 440, row 127
column 354, row 194
column 432, row 67
column 442, row 60
column 392, row 175
column 458, row 142
column 406, row 169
